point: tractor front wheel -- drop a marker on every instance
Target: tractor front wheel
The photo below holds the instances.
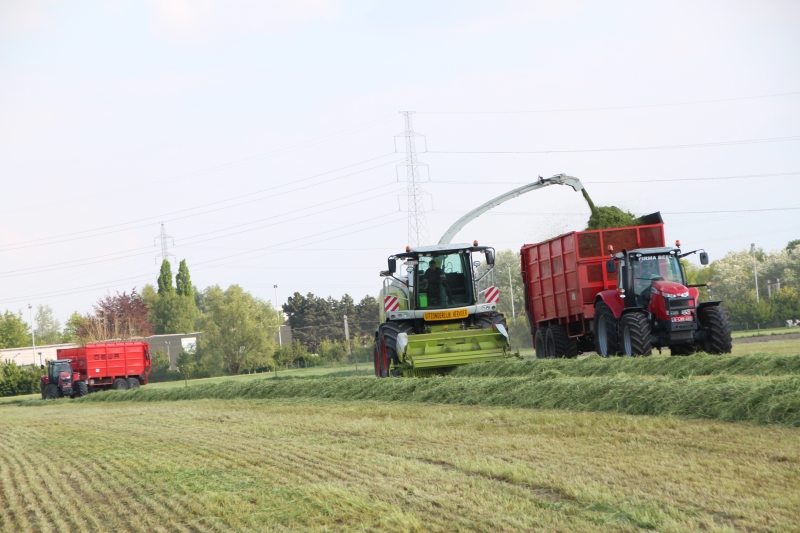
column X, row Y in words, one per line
column 718, row 330
column 539, row 343
column 606, row 340
column 81, row 389
column 635, row 335
column 51, row 391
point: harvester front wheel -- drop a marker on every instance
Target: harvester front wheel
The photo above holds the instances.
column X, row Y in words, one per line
column 635, row 335
column 539, row 343
column 606, row 340
column 487, row 321
column 559, row 345
column 718, row 330
column 386, row 346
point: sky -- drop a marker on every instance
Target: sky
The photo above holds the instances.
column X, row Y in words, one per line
column 263, row 134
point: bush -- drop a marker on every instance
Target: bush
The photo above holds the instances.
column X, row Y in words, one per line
column 15, row 380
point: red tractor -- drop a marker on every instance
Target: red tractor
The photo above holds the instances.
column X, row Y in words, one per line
column 654, row 307
column 60, row 381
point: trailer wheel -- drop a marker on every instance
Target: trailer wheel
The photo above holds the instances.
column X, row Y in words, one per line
column 559, row 345
column 718, row 327
column 120, row 384
column 51, row 391
column 81, row 389
column 539, row 343
column 133, row 383
column 635, row 335
column 606, row 340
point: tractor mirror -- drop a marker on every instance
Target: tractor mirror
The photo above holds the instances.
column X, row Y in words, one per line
column 703, row 258
column 490, row 257
column 392, row 265
column 42, row 366
column 611, row 266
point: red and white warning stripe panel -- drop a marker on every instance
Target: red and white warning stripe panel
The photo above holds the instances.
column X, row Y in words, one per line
column 492, row 295
column 391, row 303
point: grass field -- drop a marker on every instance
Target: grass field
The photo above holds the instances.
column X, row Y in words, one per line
column 324, row 465
column 481, row 450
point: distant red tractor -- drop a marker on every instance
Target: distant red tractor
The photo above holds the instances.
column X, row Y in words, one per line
column 579, row 299
column 100, row 366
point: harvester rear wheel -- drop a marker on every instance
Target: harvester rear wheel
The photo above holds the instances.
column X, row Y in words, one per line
column 606, row 340
column 559, row 345
column 718, row 327
column 120, row 384
column 635, row 335
column 51, row 391
column 386, row 346
column 539, row 343
column 81, row 389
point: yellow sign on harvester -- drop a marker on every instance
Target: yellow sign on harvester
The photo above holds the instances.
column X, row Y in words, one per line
column 450, row 314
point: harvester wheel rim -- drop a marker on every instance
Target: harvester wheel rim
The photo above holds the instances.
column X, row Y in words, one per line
column 376, row 361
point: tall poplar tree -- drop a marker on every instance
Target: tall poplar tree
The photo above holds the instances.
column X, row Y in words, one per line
column 183, row 281
column 165, row 279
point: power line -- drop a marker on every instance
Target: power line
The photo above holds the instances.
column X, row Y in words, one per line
column 749, row 176
column 605, row 108
column 632, row 149
column 61, row 238
column 223, row 166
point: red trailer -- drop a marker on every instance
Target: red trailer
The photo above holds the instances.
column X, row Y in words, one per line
column 576, row 301
column 118, row 365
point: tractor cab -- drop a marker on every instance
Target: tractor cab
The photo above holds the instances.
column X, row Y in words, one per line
column 649, row 269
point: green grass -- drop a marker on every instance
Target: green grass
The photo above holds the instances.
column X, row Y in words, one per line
column 594, row 365
column 768, row 331
column 763, row 400
column 326, row 465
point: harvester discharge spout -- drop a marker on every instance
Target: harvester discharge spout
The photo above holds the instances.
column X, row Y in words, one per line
column 558, row 179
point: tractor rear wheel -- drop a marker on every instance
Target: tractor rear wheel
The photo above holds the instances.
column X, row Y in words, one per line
column 718, row 330
column 635, row 335
column 51, row 391
column 606, row 340
column 81, row 389
column 539, row 343
column 120, row 384
column 133, row 383
column 559, row 345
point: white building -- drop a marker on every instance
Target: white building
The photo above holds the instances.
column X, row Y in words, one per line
column 26, row 355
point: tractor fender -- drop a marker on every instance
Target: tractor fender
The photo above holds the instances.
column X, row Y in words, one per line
column 713, row 303
column 611, row 299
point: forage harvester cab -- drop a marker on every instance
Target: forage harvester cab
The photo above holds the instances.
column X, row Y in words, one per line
column 439, row 311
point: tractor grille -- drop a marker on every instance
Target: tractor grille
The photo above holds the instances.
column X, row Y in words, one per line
column 678, row 304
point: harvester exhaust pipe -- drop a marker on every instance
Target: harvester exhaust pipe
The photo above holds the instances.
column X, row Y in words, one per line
column 558, row 179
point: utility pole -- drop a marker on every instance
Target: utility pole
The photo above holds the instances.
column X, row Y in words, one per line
column 163, row 237
column 280, row 317
column 347, row 339
column 513, row 314
column 33, row 337
column 755, row 267
column 417, row 222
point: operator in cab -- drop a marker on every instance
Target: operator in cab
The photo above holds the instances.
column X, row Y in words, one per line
column 644, row 274
column 434, row 283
